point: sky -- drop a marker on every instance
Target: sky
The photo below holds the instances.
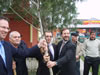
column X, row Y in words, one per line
column 88, row 9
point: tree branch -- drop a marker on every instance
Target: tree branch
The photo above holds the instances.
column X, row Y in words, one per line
column 34, row 3
column 22, row 18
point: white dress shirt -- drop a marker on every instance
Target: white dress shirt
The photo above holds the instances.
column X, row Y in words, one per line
column 51, row 49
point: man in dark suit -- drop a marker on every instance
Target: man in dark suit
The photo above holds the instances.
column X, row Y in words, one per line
column 7, row 51
column 66, row 59
column 43, row 69
column 20, row 63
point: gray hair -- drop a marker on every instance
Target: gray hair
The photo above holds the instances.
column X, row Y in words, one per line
column 13, row 32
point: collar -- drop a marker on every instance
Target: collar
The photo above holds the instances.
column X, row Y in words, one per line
column 2, row 41
column 64, row 41
column 91, row 39
column 49, row 44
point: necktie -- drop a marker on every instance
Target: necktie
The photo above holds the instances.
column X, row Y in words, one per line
column 63, row 43
column 2, row 53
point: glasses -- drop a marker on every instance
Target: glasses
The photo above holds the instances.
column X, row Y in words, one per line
column 3, row 27
column 16, row 36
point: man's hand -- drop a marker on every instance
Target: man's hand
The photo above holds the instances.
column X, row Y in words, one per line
column 42, row 45
column 77, row 57
column 51, row 64
column 13, row 65
column 46, row 58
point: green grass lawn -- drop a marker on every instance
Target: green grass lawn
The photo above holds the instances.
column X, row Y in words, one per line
column 99, row 70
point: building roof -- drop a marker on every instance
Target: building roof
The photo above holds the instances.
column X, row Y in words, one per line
column 85, row 26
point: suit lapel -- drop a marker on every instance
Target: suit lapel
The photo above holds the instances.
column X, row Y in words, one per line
column 51, row 56
column 1, row 60
column 2, row 63
column 54, row 49
column 64, row 48
column 6, row 54
column 60, row 45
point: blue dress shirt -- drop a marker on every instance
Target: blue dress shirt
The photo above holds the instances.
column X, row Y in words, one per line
column 2, row 52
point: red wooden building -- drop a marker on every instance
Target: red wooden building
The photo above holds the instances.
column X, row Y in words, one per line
column 29, row 34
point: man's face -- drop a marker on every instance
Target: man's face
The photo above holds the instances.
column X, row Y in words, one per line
column 15, row 39
column 92, row 36
column 65, row 35
column 74, row 38
column 4, row 29
column 48, row 37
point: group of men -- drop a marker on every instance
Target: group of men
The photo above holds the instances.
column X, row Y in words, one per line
column 9, row 51
column 63, row 58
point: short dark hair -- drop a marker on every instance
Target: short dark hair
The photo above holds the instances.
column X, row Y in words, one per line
column 5, row 18
column 74, row 34
column 92, row 32
column 48, row 32
column 64, row 29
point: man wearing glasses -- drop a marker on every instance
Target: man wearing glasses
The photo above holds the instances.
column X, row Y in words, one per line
column 7, row 51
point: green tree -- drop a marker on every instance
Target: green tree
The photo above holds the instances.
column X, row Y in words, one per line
column 4, row 5
column 56, row 13
column 49, row 14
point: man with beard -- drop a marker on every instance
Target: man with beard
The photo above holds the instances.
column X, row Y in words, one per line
column 91, row 49
column 66, row 60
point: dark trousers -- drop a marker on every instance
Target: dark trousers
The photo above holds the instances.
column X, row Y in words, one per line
column 91, row 62
column 78, row 67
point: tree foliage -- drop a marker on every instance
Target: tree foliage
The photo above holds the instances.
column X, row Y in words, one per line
column 57, row 13
column 4, row 5
column 53, row 13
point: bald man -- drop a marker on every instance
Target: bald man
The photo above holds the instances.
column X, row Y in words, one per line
column 15, row 40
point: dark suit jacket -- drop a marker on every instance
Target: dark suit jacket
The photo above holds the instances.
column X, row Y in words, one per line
column 11, row 52
column 42, row 68
column 66, row 60
column 21, row 68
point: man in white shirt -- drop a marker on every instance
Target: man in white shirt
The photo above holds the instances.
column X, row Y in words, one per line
column 43, row 69
column 66, row 61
